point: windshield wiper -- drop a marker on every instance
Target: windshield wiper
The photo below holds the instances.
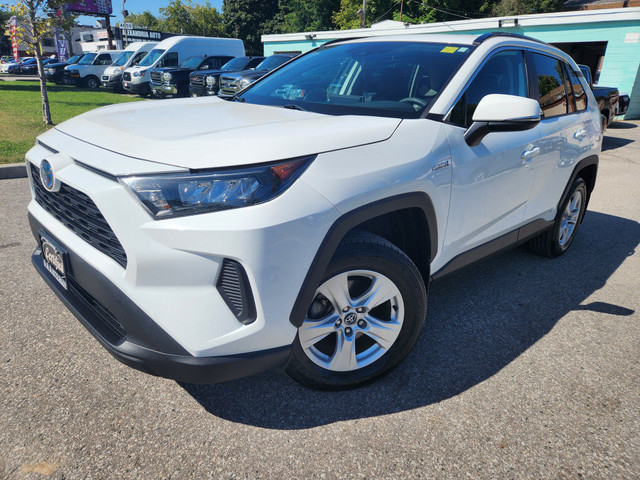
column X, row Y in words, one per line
column 292, row 106
column 239, row 99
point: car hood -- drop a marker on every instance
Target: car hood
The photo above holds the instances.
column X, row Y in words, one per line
column 201, row 133
column 171, row 69
column 212, row 72
column 248, row 74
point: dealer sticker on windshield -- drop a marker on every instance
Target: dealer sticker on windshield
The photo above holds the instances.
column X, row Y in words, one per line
column 53, row 258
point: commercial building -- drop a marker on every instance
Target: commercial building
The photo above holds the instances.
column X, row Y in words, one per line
column 607, row 40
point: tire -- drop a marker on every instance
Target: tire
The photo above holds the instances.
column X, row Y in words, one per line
column 361, row 259
column 92, row 83
column 556, row 241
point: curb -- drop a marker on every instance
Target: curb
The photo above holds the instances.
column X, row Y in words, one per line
column 17, row 170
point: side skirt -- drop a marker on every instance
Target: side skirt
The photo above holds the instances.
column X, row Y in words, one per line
column 494, row 246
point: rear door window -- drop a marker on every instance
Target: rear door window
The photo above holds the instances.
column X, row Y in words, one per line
column 579, row 97
column 551, row 85
column 504, row 73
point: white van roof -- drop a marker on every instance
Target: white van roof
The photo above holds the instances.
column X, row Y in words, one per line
column 135, row 46
column 167, row 43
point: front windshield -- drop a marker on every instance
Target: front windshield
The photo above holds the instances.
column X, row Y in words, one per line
column 192, row 62
column 238, row 63
column 122, row 59
column 87, row 59
column 74, row 59
column 391, row 79
column 272, row 62
column 151, row 57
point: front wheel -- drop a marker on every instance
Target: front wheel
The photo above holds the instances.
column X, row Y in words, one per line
column 92, row 83
column 365, row 317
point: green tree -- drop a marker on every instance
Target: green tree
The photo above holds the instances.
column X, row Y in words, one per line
column 37, row 19
column 145, row 19
column 308, row 15
column 522, row 7
column 250, row 19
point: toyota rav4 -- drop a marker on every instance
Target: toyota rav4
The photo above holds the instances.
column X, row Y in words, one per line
column 299, row 226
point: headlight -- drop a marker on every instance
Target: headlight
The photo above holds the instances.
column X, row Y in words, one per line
column 166, row 77
column 139, row 73
column 50, row 71
column 191, row 193
column 211, row 80
column 244, row 83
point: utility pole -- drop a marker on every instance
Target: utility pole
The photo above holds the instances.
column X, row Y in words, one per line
column 363, row 13
column 401, row 4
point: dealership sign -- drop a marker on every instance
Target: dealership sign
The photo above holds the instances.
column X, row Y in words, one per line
column 97, row 7
column 62, row 46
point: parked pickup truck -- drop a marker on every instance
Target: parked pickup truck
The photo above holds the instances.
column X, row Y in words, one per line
column 175, row 80
column 207, row 82
column 55, row 71
column 607, row 98
column 233, row 83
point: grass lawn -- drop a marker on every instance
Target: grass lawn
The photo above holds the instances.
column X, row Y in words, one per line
column 21, row 112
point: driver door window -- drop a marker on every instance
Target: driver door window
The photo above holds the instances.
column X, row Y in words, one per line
column 170, row 60
column 504, row 73
column 103, row 59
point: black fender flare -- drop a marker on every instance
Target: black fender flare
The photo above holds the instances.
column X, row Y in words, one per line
column 581, row 165
column 346, row 223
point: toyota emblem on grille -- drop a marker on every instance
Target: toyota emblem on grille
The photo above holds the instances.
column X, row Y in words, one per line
column 46, row 175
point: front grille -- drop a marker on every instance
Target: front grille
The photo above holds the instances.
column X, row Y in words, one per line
column 235, row 290
column 104, row 321
column 105, row 78
column 156, row 77
column 127, row 76
column 229, row 86
column 78, row 213
column 197, row 80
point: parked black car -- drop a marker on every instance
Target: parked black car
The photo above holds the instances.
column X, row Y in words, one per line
column 55, row 71
column 233, row 83
column 607, row 98
column 32, row 68
column 207, row 82
column 175, row 80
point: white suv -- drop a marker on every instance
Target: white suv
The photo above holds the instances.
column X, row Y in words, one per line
column 299, row 225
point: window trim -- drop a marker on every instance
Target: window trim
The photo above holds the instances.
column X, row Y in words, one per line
column 584, row 90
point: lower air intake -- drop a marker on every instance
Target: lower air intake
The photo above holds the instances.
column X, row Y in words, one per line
column 235, row 290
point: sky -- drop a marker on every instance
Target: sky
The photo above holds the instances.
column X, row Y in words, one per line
column 139, row 6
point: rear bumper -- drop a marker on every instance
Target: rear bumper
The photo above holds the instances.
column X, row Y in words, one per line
column 133, row 338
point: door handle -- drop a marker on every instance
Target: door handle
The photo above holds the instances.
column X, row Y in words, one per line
column 580, row 134
column 527, row 155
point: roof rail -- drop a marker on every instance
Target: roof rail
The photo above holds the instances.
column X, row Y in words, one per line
column 338, row 40
column 487, row 36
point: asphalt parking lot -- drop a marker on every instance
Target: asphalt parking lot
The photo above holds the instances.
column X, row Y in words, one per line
column 529, row 368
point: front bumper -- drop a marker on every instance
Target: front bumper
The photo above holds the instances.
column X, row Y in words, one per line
column 173, row 266
column 160, row 90
column 114, row 82
column 139, row 88
column 201, row 91
column 107, row 312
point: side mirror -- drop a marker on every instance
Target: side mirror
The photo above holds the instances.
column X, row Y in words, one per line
column 502, row 113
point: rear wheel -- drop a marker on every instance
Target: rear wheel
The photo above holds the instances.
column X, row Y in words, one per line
column 365, row 317
column 557, row 241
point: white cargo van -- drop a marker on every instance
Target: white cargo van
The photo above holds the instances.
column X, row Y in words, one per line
column 130, row 57
column 87, row 72
column 173, row 51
